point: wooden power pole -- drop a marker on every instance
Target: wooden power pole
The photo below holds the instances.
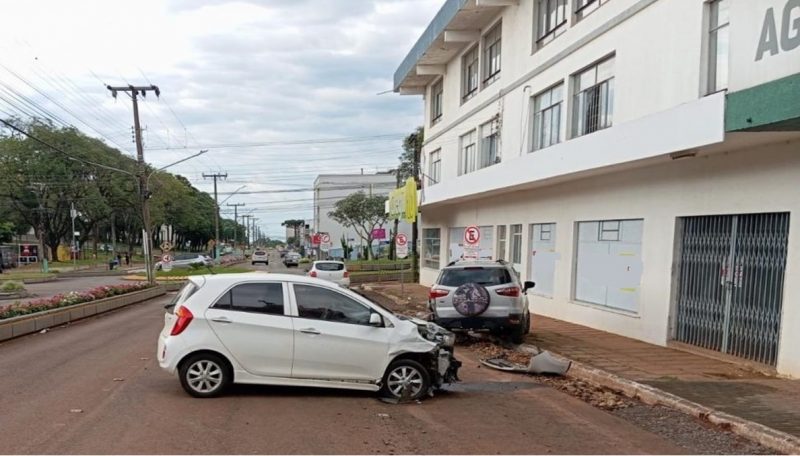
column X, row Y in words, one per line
column 216, row 176
column 144, row 192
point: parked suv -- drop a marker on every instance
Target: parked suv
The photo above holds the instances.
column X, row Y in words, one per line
column 481, row 296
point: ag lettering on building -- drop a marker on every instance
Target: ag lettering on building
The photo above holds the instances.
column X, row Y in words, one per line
column 765, row 49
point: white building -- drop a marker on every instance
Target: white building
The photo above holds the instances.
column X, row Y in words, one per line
column 331, row 188
column 638, row 159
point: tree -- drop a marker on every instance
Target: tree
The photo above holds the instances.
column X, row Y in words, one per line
column 412, row 148
column 294, row 224
column 6, row 232
column 363, row 213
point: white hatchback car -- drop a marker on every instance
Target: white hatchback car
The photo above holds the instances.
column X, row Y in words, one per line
column 259, row 256
column 334, row 271
column 281, row 329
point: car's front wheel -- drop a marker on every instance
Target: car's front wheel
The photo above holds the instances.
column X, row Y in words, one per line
column 205, row 375
column 406, row 379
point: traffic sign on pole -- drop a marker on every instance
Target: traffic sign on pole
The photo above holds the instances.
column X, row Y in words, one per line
column 401, row 245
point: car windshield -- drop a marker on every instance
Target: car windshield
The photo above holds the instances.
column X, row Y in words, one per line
column 477, row 274
column 329, row 266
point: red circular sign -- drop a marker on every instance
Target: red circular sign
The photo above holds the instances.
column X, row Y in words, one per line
column 472, row 235
column 401, row 239
column 166, row 258
column 325, row 238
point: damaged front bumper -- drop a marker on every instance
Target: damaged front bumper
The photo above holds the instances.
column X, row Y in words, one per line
column 442, row 363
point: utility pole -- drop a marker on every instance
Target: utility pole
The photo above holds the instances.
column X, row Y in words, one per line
column 247, row 228
column 144, row 193
column 73, row 213
column 216, row 176
column 236, row 220
column 253, row 230
column 415, row 225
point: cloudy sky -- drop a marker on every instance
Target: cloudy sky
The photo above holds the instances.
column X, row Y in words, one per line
column 245, row 79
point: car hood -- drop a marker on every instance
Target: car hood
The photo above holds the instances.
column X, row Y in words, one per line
column 413, row 335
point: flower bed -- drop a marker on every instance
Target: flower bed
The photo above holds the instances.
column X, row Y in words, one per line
column 68, row 299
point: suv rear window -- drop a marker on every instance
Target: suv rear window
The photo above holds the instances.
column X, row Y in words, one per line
column 484, row 276
column 329, row 266
column 260, row 253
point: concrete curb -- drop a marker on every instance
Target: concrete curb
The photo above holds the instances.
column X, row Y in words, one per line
column 766, row 436
column 11, row 328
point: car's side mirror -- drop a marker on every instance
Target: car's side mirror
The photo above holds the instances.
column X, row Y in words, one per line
column 528, row 286
column 375, row 319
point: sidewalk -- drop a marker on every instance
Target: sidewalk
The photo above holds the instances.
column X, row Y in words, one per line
column 771, row 401
column 723, row 386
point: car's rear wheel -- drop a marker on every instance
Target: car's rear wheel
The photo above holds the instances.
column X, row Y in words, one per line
column 406, row 379
column 205, row 375
column 518, row 333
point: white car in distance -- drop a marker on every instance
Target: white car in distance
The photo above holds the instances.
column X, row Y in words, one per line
column 281, row 329
column 333, row 271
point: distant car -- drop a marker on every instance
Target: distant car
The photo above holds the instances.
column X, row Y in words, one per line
column 259, row 256
column 481, row 296
column 187, row 260
column 291, row 259
column 289, row 330
column 333, row 271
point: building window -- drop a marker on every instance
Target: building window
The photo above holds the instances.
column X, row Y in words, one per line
column 608, row 264
column 551, row 20
column 490, row 144
column 516, row 245
column 468, row 154
column 584, row 7
column 431, row 245
column 718, row 45
column 501, row 242
column 547, row 117
column 593, row 102
column 469, row 74
column 458, row 250
column 543, row 258
column 437, row 95
column 491, row 55
column 435, row 167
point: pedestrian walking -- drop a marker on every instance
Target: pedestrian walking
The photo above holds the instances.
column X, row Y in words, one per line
column 127, row 260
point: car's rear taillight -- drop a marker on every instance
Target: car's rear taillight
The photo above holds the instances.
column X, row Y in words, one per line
column 312, row 274
column 437, row 293
column 184, row 318
column 511, row 292
column 346, row 274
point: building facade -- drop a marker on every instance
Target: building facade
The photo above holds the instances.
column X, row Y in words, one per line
column 331, row 188
column 638, row 159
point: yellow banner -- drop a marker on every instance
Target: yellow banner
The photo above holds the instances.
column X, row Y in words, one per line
column 403, row 202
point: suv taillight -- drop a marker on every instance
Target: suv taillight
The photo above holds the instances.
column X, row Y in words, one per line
column 346, row 274
column 312, row 274
column 184, row 318
column 437, row 293
column 511, row 292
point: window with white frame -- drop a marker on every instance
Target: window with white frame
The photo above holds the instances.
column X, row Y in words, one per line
column 491, row 54
column 490, row 144
column 437, row 95
column 551, row 20
column 543, row 258
column 608, row 263
column 501, row 242
column 468, row 154
column 516, row 245
column 718, row 45
column 584, row 7
column 547, row 117
column 431, row 246
column 593, row 102
column 469, row 74
column 435, row 167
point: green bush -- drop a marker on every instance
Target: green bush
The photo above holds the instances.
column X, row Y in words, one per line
column 10, row 286
column 304, row 261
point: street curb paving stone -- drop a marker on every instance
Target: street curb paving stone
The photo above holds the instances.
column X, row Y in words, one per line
column 26, row 324
column 766, row 436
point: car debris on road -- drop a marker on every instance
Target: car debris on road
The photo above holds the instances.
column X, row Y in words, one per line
column 541, row 363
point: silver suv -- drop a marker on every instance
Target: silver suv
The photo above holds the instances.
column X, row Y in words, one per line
column 481, row 296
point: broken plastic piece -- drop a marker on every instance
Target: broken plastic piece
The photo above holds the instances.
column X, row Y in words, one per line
column 542, row 363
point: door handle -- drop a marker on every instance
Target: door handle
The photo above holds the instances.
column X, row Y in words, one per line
column 309, row 331
column 222, row 320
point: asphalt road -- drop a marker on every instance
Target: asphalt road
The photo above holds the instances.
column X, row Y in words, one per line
column 95, row 387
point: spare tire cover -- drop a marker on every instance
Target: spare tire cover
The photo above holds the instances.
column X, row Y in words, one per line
column 471, row 299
